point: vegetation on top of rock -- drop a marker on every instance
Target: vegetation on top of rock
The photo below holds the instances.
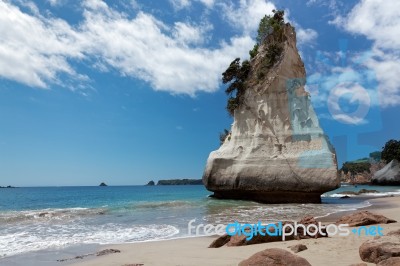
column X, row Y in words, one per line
column 391, row 151
column 376, row 156
column 362, row 165
column 235, row 75
column 270, row 30
column 356, row 167
column 362, row 160
column 253, row 52
column 269, row 26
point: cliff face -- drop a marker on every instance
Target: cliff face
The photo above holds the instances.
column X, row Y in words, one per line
column 388, row 175
column 277, row 151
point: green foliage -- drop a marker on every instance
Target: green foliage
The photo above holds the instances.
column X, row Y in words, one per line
column 376, row 156
column 223, row 136
column 391, row 150
column 269, row 25
column 254, row 51
column 232, row 71
column 232, row 104
column 356, row 167
column 362, row 160
column 235, row 75
column 273, row 53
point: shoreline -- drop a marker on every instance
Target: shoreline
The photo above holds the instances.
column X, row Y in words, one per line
column 376, row 204
column 72, row 254
column 195, row 251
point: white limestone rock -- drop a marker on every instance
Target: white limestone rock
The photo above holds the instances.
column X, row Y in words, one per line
column 388, row 175
column 276, row 151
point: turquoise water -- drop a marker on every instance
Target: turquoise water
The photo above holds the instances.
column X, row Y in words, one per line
column 37, row 219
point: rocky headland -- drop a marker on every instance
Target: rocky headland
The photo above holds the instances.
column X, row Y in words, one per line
column 388, row 175
column 179, row 182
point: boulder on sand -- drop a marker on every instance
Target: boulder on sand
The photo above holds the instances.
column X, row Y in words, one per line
column 364, row 218
column 380, row 248
column 274, row 257
column 240, row 240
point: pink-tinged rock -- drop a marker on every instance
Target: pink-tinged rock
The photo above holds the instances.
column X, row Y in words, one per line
column 274, row 257
column 364, row 218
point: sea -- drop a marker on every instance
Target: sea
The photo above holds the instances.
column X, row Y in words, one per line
column 42, row 220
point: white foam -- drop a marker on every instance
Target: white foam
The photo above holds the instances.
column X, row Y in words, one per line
column 27, row 239
column 48, row 214
column 377, row 194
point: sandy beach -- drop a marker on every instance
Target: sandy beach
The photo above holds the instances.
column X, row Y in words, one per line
column 337, row 250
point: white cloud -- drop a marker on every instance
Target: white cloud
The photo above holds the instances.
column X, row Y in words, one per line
column 247, row 15
column 335, row 6
column 208, row 3
column 34, row 50
column 350, row 119
column 306, row 36
column 180, row 4
column 190, row 34
column 39, row 50
column 142, row 48
column 134, row 4
column 55, row 2
column 378, row 21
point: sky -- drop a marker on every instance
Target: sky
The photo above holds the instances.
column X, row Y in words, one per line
column 130, row 91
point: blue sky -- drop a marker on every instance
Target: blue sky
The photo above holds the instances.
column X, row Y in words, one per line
column 129, row 91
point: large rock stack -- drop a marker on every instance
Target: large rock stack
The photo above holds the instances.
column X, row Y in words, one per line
column 276, row 152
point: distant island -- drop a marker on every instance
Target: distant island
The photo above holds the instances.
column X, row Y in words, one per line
column 151, row 183
column 103, row 184
column 7, row 187
column 176, row 182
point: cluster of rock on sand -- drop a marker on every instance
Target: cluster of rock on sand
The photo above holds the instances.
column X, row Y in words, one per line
column 381, row 250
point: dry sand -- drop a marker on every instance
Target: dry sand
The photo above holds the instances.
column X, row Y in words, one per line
column 334, row 251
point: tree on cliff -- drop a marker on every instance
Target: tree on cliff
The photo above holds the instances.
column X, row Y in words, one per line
column 270, row 31
column 269, row 26
column 235, row 75
column 391, row 150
